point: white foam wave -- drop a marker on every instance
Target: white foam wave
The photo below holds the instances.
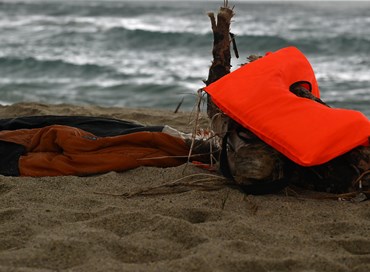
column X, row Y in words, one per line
column 36, row 80
column 152, row 23
column 4, row 103
column 341, row 68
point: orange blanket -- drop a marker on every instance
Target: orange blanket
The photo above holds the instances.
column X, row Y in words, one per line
column 62, row 150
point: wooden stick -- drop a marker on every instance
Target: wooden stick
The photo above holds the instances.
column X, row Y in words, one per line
column 221, row 51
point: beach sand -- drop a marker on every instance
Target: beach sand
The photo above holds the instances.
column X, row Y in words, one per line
column 67, row 224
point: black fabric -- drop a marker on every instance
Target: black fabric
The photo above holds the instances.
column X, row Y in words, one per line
column 224, row 163
column 9, row 156
column 99, row 126
column 265, row 187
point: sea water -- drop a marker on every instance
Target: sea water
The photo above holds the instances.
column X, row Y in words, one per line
column 154, row 53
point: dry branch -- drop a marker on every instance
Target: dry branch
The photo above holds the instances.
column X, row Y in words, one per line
column 221, row 50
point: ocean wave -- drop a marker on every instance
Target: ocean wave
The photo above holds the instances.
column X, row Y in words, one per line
column 259, row 44
column 160, row 21
column 4, row 103
column 31, row 66
column 338, row 45
column 121, row 37
column 147, row 29
column 143, row 39
column 345, row 44
column 97, row 8
column 93, row 93
column 144, row 95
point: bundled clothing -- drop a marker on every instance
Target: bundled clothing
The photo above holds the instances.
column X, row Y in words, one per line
column 77, row 145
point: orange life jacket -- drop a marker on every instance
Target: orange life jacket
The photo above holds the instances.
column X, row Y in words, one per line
column 257, row 96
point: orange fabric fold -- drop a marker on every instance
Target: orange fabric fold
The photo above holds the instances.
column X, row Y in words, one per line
column 62, row 150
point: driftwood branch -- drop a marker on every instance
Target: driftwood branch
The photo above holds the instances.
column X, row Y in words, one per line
column 221, row 50
column 246, row 163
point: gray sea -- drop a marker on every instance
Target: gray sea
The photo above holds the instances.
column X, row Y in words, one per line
column 154, row 53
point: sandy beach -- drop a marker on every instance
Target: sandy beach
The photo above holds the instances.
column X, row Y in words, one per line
column 76, row 223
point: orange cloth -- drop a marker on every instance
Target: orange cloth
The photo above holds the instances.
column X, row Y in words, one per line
column 63, row 150
column 257, row 96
